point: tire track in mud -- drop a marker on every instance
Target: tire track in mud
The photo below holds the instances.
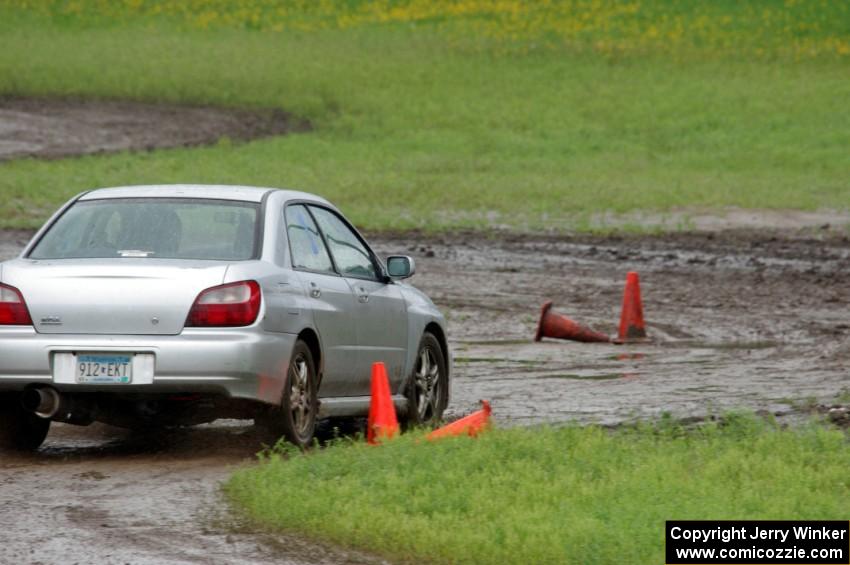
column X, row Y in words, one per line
column 102, row 495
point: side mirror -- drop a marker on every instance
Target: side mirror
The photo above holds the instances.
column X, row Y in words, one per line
column 400, row 266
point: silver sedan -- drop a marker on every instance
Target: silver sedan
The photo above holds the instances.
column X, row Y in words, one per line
column 154, row 306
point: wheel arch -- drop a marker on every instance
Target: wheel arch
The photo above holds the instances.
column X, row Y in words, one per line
column 437, row 330
column 440, row 334
column 311, row 338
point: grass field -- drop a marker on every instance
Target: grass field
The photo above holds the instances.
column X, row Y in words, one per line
column 461, row 114
column 548, row 495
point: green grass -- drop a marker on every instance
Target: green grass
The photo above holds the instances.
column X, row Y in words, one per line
column 548, row 495
column 427, row 126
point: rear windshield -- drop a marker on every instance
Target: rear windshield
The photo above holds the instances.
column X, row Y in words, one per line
column 162, row 228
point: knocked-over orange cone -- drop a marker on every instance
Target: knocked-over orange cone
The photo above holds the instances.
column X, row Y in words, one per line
column 556, row 325
column 383, row 423
column 471, row 425
column 632, row 327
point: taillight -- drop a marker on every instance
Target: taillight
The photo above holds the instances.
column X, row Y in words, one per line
column 233, row 304
column 13, row 309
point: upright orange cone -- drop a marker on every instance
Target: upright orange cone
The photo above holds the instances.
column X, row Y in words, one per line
column 471, row 425
column 383, row 423
column 632, row 328
column 556, row 325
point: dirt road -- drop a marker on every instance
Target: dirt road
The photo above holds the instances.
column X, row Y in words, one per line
column 738, row 320
column 49, row 128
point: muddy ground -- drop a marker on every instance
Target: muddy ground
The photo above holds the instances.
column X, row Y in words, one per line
column 50, row 128
column 103, row 495
column 738, row 320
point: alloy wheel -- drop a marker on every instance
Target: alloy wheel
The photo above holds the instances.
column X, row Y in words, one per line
column 300, row 395
column 427, row 380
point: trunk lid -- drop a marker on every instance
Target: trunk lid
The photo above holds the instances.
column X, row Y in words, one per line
column 111, row 296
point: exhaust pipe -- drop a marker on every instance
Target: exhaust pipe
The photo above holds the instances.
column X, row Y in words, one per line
column 43, row 402
column 47, row 403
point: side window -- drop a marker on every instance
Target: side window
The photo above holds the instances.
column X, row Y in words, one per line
column 351, row 256
column 305, row 243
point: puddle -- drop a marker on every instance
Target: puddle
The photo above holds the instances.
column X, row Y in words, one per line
column 628, row 357
column 493, row 360
column 498, row 342
column 606, row 377
column 745, row 345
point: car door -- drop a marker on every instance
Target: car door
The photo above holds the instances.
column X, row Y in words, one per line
column 331, row 302
column 380, row 308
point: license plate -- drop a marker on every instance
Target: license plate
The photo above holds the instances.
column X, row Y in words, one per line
column 104, row 369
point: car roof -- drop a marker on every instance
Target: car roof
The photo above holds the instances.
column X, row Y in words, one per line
column 214, row 191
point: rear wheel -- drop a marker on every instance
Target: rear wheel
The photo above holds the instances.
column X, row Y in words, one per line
column 295, row 418
column 19, row 429
column 428, row 387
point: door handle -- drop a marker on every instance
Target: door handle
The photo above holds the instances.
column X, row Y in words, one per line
column 315, row 292
column 363, row 296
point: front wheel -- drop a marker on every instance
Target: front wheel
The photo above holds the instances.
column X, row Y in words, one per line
column 20, row 430
column 295, row 418
column 428, row 387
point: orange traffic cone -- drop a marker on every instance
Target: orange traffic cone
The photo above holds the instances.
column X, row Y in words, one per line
column 559, row 326
column 383, row 423
column 632, row 328
column 471, row 425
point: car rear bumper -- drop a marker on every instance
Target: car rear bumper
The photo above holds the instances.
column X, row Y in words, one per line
column 244, row 363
